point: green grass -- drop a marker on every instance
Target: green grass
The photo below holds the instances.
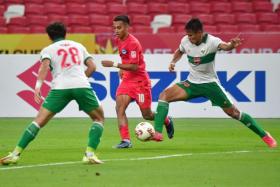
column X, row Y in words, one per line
column 211, row 148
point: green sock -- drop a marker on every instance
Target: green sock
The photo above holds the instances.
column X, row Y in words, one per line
column 95, row 133
column 29, row 134
column 162, row 111
column 247, row 120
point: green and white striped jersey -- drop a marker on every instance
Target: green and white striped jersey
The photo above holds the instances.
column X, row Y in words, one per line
column 67, row 64
column 201, row 58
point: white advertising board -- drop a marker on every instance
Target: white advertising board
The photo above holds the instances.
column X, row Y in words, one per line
column 252, row 80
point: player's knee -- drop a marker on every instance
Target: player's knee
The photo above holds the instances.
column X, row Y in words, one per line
column 234, row 113
column 163, row 96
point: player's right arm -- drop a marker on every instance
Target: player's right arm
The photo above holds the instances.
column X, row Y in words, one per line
column 127, row 67
column 176, row 57
column 132, row 59
column 91, row 67
column 42, row 74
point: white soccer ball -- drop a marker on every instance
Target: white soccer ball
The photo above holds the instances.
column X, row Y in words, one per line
column 144, row 131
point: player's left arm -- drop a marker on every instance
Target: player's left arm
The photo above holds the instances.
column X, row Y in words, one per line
column 234, row 43
column 42, row 74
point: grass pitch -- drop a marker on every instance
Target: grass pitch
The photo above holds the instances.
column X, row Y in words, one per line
column 204, row 152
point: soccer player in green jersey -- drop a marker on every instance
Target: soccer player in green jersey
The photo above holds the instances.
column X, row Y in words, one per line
column 202, row 81
column 65, row 59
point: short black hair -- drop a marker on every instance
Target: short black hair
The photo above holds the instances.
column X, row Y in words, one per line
column 56, row 30
column 123, row 18
column 194, row 25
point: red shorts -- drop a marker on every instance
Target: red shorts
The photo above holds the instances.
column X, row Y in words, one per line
column 139, row 91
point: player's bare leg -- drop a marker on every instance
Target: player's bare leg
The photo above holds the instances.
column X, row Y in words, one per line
column 43, row 117
column 94, row 136
column 29, row 134
column 252, row 124
column 122, row 102
column 147, row 114
column 174, row 93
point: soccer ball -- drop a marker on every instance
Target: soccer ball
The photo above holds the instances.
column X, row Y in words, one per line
column 144, row 131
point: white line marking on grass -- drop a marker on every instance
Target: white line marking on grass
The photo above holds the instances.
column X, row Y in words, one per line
column 133, row 159
column 39, row 165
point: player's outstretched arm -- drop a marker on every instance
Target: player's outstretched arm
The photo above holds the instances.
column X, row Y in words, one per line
column 91, row 67
column 42, row 74
column 176, row 56
column 235, row 42
column 127, row 67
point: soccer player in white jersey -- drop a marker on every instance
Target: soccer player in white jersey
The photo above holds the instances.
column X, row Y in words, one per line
column 202, row 81
column 65, row 59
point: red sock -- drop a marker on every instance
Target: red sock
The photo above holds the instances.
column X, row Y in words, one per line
column 166, row 121
column 124, row 132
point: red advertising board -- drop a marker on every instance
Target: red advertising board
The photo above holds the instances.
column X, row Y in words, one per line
column 151, row 43
column 167, row 43
column 253, row 43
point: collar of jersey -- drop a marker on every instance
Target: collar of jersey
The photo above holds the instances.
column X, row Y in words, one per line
column 204, row 37
column 203, row 40
column 58, row 39
column 126, row 38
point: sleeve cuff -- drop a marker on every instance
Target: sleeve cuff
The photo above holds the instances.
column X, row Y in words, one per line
column 181, row 49
column 89, row 57
column 45, row 56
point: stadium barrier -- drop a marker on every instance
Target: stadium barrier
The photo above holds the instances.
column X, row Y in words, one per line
column 151, row 43
column 250, row 80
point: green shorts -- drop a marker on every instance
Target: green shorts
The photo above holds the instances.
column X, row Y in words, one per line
column 58, row 99
column 212, row 91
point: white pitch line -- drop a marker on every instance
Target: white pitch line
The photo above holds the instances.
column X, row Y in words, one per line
column 40, row 165
column 133, row 159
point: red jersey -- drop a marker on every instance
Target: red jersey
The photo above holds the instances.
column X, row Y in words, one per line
column 130, row 51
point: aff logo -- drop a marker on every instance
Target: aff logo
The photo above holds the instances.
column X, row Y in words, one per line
column 163, row 78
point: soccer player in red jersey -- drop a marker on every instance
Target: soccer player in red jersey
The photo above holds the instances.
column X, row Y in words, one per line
column 136, row 84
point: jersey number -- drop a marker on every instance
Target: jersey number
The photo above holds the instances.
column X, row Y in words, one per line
column 73, row 52
column 141, row 98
